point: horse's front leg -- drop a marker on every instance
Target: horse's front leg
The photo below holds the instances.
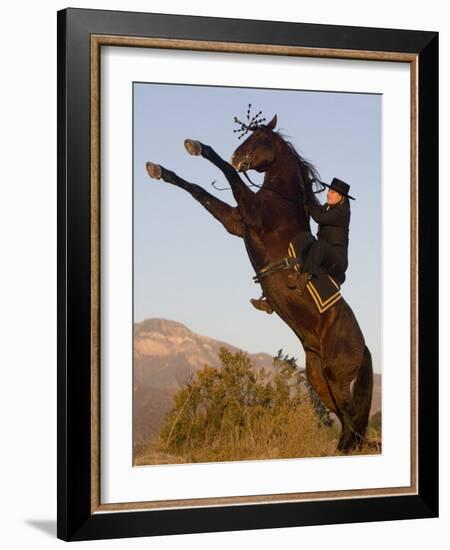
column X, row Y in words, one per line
column 245, row 198
column 227, row 215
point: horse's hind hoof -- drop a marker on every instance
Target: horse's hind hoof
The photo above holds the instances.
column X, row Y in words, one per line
column 193, row 147
column 154, row 170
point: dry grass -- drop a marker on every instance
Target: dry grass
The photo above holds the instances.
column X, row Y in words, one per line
column 147, row 454
column 299, row 435
column 235, row 414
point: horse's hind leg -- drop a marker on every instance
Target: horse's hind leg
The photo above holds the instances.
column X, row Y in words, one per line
column 335, row 395
column 340, row 391
column 354, row 404
column 317, row 380
column 362, row 393
column 226, row 214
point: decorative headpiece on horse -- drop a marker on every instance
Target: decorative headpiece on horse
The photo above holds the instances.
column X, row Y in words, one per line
column 251, row 125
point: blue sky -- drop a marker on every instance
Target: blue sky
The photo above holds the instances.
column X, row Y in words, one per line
column 187, row 268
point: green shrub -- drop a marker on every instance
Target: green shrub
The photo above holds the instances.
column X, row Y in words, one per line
column 237, row 412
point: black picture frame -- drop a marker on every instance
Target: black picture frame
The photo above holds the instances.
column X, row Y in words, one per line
column 76, row 519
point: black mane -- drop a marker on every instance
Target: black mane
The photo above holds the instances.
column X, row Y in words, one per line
column 310, row 174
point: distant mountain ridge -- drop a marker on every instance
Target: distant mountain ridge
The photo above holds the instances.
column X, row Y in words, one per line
column 166, row 354
column 165, row 350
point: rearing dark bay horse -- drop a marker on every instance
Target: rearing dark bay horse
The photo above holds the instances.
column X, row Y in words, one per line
column 338, row 363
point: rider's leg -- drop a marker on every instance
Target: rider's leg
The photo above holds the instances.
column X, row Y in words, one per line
column 334, row 262
column 313, row 258
column 302, row 243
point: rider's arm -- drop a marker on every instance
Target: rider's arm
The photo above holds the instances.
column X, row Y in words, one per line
column 332, row 216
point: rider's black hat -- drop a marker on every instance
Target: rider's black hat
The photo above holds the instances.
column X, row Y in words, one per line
column 339, row 186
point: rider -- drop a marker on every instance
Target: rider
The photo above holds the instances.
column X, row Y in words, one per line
column 329, row 252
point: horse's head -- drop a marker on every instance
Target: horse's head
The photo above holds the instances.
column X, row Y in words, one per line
column 267, row 149
column 258, row 151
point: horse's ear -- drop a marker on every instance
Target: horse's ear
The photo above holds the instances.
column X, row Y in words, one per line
column 272, row 123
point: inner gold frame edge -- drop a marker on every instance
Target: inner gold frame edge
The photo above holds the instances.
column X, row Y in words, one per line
column 212, row 46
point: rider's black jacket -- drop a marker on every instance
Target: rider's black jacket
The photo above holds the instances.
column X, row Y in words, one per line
column 334, row 221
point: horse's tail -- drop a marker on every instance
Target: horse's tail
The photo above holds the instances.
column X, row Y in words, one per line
column 362, row 393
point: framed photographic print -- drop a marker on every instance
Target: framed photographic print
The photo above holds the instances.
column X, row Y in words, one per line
column 247, row 270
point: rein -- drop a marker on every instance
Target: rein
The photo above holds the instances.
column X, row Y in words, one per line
column 272, row 189
column 228, row 188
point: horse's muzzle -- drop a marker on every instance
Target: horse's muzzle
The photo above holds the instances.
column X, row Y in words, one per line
column 240, row 165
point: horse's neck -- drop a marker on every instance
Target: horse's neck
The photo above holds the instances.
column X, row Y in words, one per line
column 284, row 176
column 281, row 213
column 283, row 192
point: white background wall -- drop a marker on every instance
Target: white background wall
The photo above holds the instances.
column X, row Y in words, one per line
column 28, row 272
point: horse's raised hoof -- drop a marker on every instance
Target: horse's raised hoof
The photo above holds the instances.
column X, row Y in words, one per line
column 154, row 170
column 193, row 147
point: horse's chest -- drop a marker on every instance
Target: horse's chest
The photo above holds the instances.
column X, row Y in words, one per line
column 272, row 217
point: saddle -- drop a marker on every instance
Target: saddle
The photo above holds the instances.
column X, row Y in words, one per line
column 323, row 289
